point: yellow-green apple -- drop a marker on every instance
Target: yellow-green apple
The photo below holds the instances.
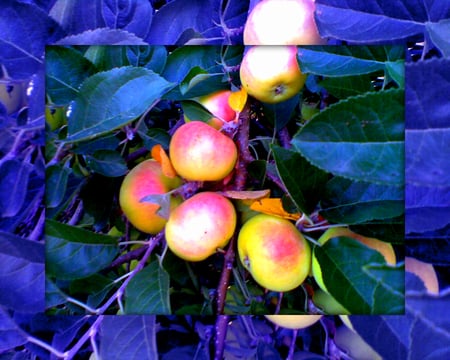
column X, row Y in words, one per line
column 146, row 178
column 271, row 74
column 200, row 225
column 217, row 104
column 425, row 272
column 12, row 94
column 294, row 321
column 274, row 252
column 382, row 247
column 201, row 153
column 282, row 22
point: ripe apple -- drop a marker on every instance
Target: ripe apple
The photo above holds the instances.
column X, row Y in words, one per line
column 282, row 22
column 382, row 247
column 200, row 225
column 294, row 321
column 274, row 252
column 12, row 95
column 425, row 272
column 201, row 153
column 217, row 104
column 144, row 179
column 271, row 74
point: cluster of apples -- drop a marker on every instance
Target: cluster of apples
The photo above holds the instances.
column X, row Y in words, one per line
column 270, row 247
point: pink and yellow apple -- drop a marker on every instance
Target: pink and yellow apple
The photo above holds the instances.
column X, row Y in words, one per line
column 271, row 74
column 274, row 252
column 201, row 153
column 282, row 22
column 200, row 225
column 217, row 104
column 144, row 179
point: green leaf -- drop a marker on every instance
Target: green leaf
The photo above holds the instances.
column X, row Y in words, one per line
column 128, row 337
column 106, row 57
column 66, row 69
column 56, row 184
column 347, row 60
column 280, row 114
column 359, row 278
column 11, row 335
column 360, row 138
column 148, row 291
column 107, row 163
column 195, row 111
column 151, row 57
column 304, row 182
column 438, row 32
column 73, row 253
column 111, row 99
column 355, row 202
column 343, row 87
column 53, row 295
column 13, row 184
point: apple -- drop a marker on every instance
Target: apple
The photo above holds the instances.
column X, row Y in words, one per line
column 294, row 321
column 274, row 252
column 146, row 178
column 271, row 74
column 217, row 104
column 425, row 272
column 200, row 225
column 282, row 22
column 12, row 95
column 201, row 153
column 382, row 247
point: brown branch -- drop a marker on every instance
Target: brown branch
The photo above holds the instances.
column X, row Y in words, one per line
column 221, row 334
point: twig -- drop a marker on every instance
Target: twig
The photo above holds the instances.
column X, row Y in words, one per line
column 225, row 276
column 118, row 294
column 221, row 333
column 285, row 138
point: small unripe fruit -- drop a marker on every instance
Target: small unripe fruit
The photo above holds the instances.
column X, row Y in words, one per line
column 12, row 95
column 217, row 104
column 271, row 74
column 294, row 321
column 274, row 252
column 282, row 22
column 201, row 153
column 200, row 225
column 144, row 179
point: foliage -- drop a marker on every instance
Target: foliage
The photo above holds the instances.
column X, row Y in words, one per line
column 83, row 163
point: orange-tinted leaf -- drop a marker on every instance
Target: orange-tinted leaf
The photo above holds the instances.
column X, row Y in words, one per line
column 273, row 206
column 246, row 195
column 238, row 99
column 159, row 154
